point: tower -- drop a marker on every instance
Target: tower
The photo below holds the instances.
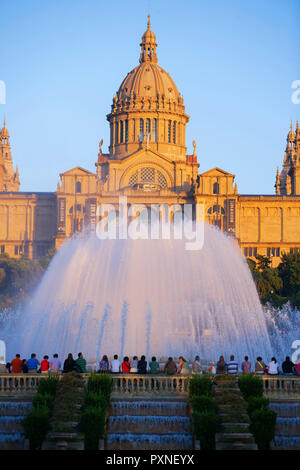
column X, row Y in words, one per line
column 288, row 181
column 9, row 178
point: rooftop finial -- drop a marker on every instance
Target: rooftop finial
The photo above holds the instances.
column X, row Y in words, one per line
column 149, row 22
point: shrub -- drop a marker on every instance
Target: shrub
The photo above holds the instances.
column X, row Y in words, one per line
column 43, row 400
column 101, row 384
column 202, row 403
column 206, row 424
column 263, row 424
column 48, row 385
column 36, row 425
column 251, row 386
column 92, row 424
column 200, row 385
column 256, row 403
column 96, row 400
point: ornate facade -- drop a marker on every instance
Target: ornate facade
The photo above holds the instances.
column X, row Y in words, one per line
column 147, row 162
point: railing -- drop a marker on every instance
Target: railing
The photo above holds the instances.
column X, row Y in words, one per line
column 276, row 388
column 135, row 384
column 123, row 384
column 281, row 387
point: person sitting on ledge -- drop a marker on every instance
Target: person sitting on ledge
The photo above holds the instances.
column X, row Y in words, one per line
column 142, row 365
column 196, row 366
column 154, row 366
column 16, row 365
column 183, row 367
column 33, row 364
column 134, row 365
column 81, row 363
column 260, row 366
column 45, row 364
column 232, row 366
column 170, row 367
column 246, row 366
column 273, row 367
column 115, row 365
column 69, row 364
column 103, row 365
column 221, row 366
column 288, row 366
column 126, row 365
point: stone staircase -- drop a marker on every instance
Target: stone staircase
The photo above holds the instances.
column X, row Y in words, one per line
column 141, row 424
column 11, row 430
column 235, row 433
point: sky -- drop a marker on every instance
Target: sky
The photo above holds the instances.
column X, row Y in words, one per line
column 234, row 61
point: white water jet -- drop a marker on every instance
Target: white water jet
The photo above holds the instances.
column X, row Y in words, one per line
column 139, row 297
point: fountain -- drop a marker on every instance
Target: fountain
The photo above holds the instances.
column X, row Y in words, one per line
column 149, row 297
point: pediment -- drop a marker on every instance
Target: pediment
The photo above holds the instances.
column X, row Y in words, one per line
column 217, row 172
column 78, row 171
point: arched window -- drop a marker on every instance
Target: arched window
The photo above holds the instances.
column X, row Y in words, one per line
column 174, row 132
column 141, row 130
column 126, row 130
column 78, row 187
column 154, row 130
column 216, row 188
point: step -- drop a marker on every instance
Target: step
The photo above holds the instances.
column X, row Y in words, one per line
column 9, row 424
column 12, row 441
column 15, row 408
column 148, row 407
column 149, row 424
column 132, row 441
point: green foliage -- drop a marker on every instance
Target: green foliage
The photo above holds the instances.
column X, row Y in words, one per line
column 251, row 386
column 257, row 403
column 48, row 385
column 36, row 425
column 205, row 425
column 100, row 384
column 92, row 424
column 200, row 385
column 263, row 424
column 69, row 395
column 40, row 400
column 18, row 277
column 97, row 400
column 201, row 403
column 277, row 285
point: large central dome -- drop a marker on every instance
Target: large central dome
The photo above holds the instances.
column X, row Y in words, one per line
column 148, row 79
column 148, row 106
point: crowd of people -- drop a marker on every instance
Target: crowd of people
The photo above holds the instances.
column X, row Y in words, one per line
column 141, row 366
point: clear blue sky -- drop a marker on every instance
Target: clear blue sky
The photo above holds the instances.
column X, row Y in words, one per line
column 233, row 61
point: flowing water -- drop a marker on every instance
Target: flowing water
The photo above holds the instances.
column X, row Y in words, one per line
column 149, row 297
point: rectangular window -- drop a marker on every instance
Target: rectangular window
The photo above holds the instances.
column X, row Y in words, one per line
column 269, row 252
column 169, row 131
column 246, row 251
column 16, row 250
column 250, row 251
column 141, row 130
column 20, row 250
column 2, row 248
column 154, row 130
column 278, row 252
column 121, row 131
column 174, row 132
column 116, row 133
column 255, row 251
column 126, row 130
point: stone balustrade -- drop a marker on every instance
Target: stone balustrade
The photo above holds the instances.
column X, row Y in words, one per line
column 281, row 387
column 276, row 387
column 136, row 384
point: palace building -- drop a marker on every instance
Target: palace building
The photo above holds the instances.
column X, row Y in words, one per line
column 147, row 162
